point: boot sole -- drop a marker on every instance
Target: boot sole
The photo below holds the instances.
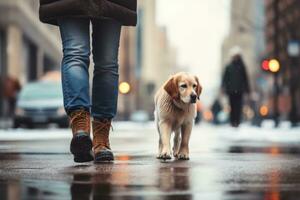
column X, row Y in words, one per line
column 104, row 156
column 81, row 148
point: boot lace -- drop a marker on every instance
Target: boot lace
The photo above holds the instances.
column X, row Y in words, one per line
column 80, row 120
column 101, row 134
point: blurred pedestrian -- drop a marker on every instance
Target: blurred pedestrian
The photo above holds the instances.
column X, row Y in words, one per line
column 216, row 109
column 253, row 103
column 74, row 18
column 235, row 84
column 198, row 112
column 11, row 89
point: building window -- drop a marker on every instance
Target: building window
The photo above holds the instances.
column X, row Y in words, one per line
column 139, row 45
column 3, row 70
column 2, row 53
column 49, row 64
column 30, row 59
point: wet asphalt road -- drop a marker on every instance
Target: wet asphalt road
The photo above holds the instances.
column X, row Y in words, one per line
column 41, row 167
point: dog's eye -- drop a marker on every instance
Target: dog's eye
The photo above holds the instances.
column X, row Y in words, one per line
column 194, row 86
column 184, row 86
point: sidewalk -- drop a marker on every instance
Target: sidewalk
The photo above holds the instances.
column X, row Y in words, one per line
column 205, row 138
column 46, row 167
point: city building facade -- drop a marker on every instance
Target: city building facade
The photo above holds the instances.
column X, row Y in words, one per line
column 146, row 60
column 246, row 31
column 282, row 33
column 28, row 48
column 128, row 102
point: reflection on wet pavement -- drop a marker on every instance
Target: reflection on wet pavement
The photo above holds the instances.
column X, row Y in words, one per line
column 273, row 149
column 176, row 181
column 227, row 176
column 219, row 169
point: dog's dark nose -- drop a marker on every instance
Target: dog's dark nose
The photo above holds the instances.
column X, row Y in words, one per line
column 193, row 98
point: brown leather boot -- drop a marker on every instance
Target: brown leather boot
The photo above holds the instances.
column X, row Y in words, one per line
column 101, row 145
column 81, row 144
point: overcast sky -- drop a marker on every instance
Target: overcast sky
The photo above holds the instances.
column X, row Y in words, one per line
column 197, row 28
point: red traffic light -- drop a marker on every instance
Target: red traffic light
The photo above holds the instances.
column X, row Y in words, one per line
column 265, row 65
column 272, row 65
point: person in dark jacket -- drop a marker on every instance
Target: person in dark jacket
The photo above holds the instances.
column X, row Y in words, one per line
column 73, row 17
column 235, row 84
column 11, row 89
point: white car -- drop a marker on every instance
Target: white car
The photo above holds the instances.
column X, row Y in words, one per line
column 40, row 103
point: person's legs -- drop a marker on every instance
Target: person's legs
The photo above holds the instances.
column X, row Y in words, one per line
column 106, row 38
column 232, row 109
column 239, row 108
column 236, row 109
column 75, row 81
column 12, row 106
column 75, row 36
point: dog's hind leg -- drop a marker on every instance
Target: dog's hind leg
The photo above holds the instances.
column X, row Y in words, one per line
column 176, row 143
column 159, row 144
column 159, row 135
column 165, row 134
column 159, row 148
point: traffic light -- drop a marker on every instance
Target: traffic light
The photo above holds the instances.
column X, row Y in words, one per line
column 272, row 65
column 265, row 65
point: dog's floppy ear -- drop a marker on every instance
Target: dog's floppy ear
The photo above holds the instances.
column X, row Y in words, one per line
column 171, row 88
column 198, row 88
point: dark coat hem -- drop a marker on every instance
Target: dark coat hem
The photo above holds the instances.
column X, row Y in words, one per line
column 119, row 10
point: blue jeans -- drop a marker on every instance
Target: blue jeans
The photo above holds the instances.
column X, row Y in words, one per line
column 75, row 34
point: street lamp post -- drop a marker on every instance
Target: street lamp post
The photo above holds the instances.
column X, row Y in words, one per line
column 293, row 52
column 276, row 54
column 125, row 89
column 274, row 67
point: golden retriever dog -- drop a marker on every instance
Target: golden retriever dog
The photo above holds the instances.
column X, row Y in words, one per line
column 175, row 110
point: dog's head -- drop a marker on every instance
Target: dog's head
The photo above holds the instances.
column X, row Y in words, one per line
column 183, row 86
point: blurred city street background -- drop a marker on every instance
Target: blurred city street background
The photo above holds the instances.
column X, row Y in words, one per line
column 257, row 160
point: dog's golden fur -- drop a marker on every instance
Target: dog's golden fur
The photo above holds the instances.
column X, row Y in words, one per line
column 175, row 110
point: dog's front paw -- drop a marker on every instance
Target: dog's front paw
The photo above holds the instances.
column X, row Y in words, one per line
column 164, row 156
column 175, row 151
column 175, row 155
column 183, row 155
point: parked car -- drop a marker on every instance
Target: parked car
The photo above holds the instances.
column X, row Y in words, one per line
column 40, row 103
